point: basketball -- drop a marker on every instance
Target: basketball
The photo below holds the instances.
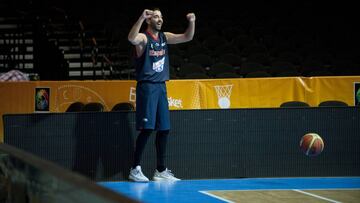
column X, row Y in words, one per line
column 311, row 144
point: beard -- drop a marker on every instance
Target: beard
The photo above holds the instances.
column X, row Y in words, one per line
column 156, row 27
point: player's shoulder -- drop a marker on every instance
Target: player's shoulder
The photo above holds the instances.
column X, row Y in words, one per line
column 167, row 35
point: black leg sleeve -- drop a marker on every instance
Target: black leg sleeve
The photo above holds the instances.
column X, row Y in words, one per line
column 140, row 146
column 161, row 142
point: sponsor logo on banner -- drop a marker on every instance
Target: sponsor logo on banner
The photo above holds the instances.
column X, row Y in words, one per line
column 132, row 94
column 177, row 103
column 357, row 94
column 68, row 94
column 42, row 99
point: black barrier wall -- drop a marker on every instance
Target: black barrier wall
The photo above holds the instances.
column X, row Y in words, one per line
column 203, row 144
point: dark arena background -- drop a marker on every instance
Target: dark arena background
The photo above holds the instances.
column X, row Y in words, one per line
column 257, row 76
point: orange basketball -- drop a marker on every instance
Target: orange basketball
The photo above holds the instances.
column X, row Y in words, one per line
column 311, row 144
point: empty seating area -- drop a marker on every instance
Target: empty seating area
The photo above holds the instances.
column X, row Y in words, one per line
column 251, row 40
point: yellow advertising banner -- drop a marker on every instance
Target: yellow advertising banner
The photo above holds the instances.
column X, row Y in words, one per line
column 56, row 96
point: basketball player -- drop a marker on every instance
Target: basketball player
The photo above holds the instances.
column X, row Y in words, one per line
column 152, row 69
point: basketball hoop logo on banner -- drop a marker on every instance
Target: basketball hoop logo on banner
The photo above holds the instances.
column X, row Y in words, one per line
column 223, row 93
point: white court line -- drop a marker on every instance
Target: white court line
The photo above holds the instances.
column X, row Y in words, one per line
column 214, row 196
column 240, row 190
column 317, row 196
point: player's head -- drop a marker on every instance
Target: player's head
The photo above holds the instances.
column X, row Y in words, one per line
column 156, row 20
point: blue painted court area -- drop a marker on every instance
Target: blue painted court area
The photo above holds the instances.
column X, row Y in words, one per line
column 191, row 190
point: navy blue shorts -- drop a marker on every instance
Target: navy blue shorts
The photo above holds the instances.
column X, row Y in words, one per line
column 152, row 108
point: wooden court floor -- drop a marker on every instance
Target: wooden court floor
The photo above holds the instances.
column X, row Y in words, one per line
column 298, row 190
column 284, row 196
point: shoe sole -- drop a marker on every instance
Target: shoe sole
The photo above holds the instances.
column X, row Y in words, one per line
column 139, row 181
column 164, row 179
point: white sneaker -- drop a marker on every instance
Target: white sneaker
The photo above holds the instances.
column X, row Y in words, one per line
column 137, row 175
column 165, row 175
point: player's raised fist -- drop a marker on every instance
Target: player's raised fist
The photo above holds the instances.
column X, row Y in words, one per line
column 190, row 17
column 147, row 13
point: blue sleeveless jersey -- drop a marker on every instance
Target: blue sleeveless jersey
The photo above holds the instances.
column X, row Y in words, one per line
column 153, row 64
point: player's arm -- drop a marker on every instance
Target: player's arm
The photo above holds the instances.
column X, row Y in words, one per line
column 134, row 36
column 184, row 37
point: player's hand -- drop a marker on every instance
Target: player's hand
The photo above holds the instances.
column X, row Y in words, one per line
column 147, row 13
column 190, row 17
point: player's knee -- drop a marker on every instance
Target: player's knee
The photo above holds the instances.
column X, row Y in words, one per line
column 146, row 132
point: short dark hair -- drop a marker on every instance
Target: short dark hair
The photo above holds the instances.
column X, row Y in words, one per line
column 155, row 9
